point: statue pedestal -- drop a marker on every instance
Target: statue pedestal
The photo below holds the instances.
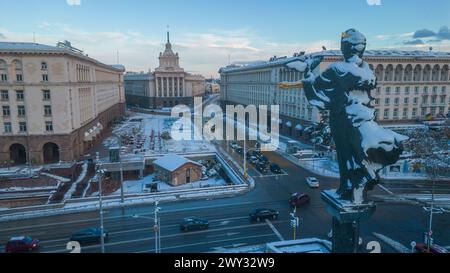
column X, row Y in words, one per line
column 346, row 218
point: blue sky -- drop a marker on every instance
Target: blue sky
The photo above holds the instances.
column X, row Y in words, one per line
column 206, row 32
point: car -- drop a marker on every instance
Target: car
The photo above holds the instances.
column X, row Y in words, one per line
column 299, row 199
column 275, row 168
column 240, row 150
column 233, row 145
column 89, row 235
column 263, row 160
column 423, row 248
column 261, row 167
column 312, row 182
column 21, row 244
column 194, row 223
column 263, row 214
column 253, row 159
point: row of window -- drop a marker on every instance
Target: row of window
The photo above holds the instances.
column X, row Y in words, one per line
column 407, row 89
column 6, row 110
column 423, row 112
column 434, row 99
column 4, row 95
column 7, row 127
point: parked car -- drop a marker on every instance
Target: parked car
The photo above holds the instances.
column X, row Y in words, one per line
column 253, row 159
column 89, row 235
column 312, row 182
column 299, row 199
column 21, row 244
column 423, row 248
column 240, row 150
column 262, row 214
column 263, row 160
column 261, row 167
column 275, row 168
column 233, row 145
column 192, row 223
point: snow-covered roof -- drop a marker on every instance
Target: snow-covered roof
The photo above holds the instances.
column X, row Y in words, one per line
column 34, row 48
column 273, row 62
column 172, row 162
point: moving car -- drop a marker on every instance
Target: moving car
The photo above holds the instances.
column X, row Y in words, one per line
column 89, row 235
column 312, row 182
column 275, row 168
column 262, row 214
column 423, row 248
column 192, row 223
column 21, row 244
column 299, row 199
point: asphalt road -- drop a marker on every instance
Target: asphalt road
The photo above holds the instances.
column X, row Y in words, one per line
column 229, row 223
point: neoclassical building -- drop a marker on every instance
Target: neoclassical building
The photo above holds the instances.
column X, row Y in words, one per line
column 167, row 86
column 412, row 85
column 55, row 102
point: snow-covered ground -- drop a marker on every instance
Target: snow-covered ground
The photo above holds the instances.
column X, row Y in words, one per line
column 143, row 185
column 79, row 179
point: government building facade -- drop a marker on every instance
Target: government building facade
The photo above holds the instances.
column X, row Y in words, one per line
column 167, row 86
column 56, row 102
column 412, row 86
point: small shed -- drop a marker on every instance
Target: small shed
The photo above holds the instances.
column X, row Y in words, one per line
column 177, row 170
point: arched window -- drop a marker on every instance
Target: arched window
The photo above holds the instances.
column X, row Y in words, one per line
column 435, row 73
column 389, row 74
column 407, row 76
column 417, row 73
column 3, row 71
column 18, row 70
column 50, row 152
column 426, row 73
column 398, row 73
column 444, row 73
column 379, row 72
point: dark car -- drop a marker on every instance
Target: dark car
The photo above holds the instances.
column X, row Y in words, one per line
column 275, row 168
column 299, row 199
column 262, row 214
column 21, row 244
column 90, row 235
column 240, row 150
column 261, row 167
column 263, row 160
column 193, row 223
column 423, row 248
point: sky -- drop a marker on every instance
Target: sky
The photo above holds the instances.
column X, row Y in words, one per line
column 210, row 33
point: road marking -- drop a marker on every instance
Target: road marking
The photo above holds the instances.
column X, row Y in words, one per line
column 170, row 236
column 228, row 234
column 274, row 230
column 385, row 189
column 210, row 242
column 118, row 217
column 394, row 244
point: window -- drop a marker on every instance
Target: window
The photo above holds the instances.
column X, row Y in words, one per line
column 43, row 66
column 44, row 77
column 414, row 112
column 386, row 101
column 7, row 128
column 4, row 77
column 435, row 89
column 19, row 95
column 6, row 111
column 19, row 77
column 443, row 89
column 4, row 95
column 441, row 110
column 49, row 126
column 416, row 90
column 378, row 90
column 425, row 99
column 405, row 100
column 46, row 94
column 423, row 111
column 47, row 110
column 415, row 100
column 386, row 114
column 405, row 113
column 442, row 100
column 395, row 113
column 407, row 90
column 396, row 101
column 397, row 90
column 22, row 127
column 425, row 90
column 21, row 110
column 433, row 99
column 388, row 90
column 377, row 101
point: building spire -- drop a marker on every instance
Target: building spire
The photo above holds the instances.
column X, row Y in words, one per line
column 168, row 35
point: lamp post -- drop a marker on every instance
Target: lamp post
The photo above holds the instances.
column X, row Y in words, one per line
column 99, row 174
column 157, row 229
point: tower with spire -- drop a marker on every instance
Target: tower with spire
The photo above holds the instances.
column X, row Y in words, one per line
column 168, row 60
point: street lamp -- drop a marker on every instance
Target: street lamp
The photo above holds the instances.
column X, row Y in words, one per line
column 157, row 229
column 99, row 173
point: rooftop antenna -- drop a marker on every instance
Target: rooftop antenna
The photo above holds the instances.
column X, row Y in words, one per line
column 168, row 35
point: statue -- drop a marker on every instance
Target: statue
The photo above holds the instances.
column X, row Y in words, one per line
column 363, row 147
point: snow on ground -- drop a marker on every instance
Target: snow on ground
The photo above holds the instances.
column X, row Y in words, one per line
column 80, row 178
column 56, row 177
column 12, row 189
column 143, row 185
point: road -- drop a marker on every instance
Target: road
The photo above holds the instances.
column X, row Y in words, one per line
column 230, row 226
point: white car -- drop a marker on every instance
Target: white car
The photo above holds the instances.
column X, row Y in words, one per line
column 312, row 182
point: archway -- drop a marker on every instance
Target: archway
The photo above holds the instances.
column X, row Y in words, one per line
column 17, row 154
column 51, row 153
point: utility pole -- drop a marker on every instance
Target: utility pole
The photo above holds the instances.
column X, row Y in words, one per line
column 430, row 229
column 99, row 173
column 295, row 222
column 157, row 229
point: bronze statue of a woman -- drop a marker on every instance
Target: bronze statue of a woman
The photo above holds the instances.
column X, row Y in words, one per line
column 363, row 147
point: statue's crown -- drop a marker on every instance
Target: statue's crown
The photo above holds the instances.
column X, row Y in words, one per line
column 345, row 35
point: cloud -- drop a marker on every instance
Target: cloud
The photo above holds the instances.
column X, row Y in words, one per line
column 423, row 33
column 73, row 2
column 413, row 42
column 2, row 36
column 374, row 2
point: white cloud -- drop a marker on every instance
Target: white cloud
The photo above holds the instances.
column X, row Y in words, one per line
column 374, row 2
column 73, row 2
